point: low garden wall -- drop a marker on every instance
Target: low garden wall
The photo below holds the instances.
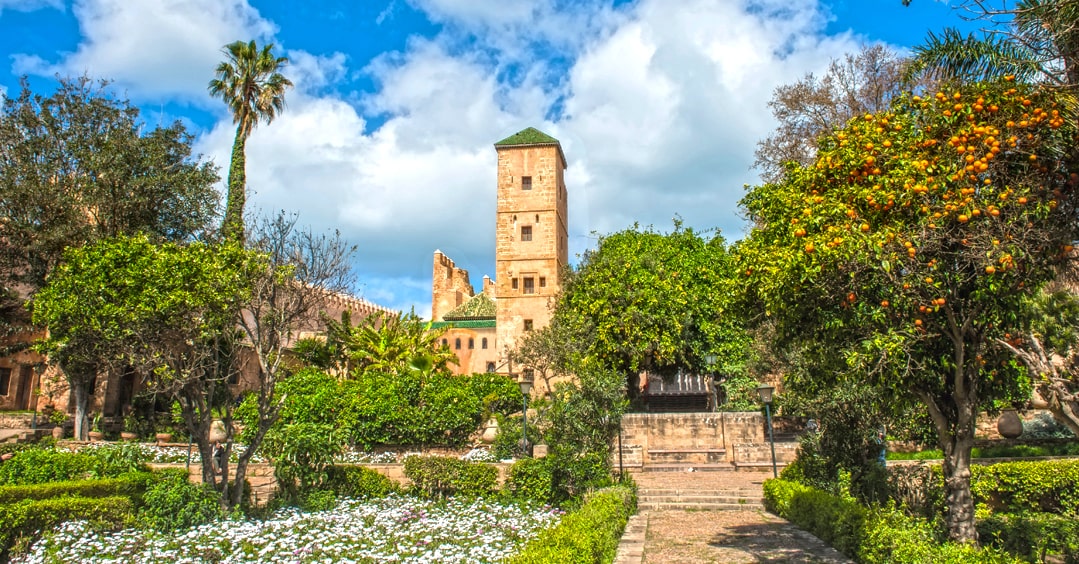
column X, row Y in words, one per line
column 733, row 439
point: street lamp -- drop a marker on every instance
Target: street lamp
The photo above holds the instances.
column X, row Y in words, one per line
column 526, row 388
column 765, row 392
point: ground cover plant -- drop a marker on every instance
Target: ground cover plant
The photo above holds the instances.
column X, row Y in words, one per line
column 392, row 529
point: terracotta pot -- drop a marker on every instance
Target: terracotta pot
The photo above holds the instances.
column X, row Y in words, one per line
column 1009, row 424
column 58, row 432
column 128, row 436
column 96, row 436
column 163, row 437
column 490, row 431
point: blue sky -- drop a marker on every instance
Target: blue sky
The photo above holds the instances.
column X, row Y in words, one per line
column 388, row 134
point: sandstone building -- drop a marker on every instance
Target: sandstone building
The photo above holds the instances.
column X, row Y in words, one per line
column 531, row 250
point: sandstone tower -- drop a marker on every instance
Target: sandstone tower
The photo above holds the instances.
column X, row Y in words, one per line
column 531, row 232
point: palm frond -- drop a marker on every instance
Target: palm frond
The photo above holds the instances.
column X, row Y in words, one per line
column 953, row 56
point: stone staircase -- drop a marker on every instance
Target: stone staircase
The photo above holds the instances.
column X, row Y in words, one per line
column 699, row 491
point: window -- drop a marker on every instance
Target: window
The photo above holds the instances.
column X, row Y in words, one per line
column 513, row 283
column 529, row 374
column 457, row 343
column 543, row 281
column 483, row 343
column 526, row 183
column 445, row 343
column 5, row 381
column 528, row 325
column 490, row 367
column 471, row 343
column 529, row 286
column 526, row 232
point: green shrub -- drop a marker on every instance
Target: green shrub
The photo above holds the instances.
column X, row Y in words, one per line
column 531, row 479
column 115, row 459
column 1043, row 486
column 357, row 481
column 318, row 500
column 173, row 502
column 875, row 534
column 38, row 466
column 439, row 477
column 508, row 440
column 131, row 485
column 1032, row 536
column 590, row 534
column 301, row 453
column 27, row 520
column 497, row 393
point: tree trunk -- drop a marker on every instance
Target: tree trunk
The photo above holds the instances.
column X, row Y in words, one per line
column 81, row 394
column 233, row 226
column 958, row 497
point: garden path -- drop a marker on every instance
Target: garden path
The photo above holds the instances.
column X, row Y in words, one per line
column 658, row 533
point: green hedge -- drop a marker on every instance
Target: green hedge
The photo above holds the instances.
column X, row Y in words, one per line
column 1043, row 486
column 1033, row 536
column 438, row 476
column 130, row 485
column 531, row 479
column 357, row 481
column 23, row 522
column 868, row 534
column 590, row 534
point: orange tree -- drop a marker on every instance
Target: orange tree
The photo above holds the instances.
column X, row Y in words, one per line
column 909, row 243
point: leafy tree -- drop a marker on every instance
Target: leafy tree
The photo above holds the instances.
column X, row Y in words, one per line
column 859, row 83
column 79, row 166
column 909, row 244
column 302, row 271
column 127, row 301
column 1049, row 348
column 648, row 301
column 247, row 81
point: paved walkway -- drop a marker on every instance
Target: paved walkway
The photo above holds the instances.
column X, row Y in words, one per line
column 683, row 537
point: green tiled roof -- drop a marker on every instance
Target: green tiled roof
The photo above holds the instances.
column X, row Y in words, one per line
column 480, row 306
column 530, row 136
column 464, row 324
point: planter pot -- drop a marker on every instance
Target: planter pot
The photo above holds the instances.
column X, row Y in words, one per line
column 1009, row 424
column 96, row 436
column 217, row 431
column 58, row 432
column 127, row 436
column 490, row 431
column 163, row 437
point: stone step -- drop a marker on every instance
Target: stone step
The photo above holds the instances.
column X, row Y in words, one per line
column 700, row 506
column 698, row 493
column 677, row 499
column 675, row 467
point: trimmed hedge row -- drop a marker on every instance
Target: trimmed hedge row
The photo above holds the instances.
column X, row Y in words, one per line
column 130, row 485
column 1043, row 486
column 440, row 476
column 23, row 522
column 869, row 535
column 1032, row 536
column 590, row 534
column 357, row 481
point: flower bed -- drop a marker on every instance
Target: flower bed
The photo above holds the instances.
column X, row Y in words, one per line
column 393, row 529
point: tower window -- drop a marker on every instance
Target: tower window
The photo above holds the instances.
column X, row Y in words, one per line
column 526, row 232
column 528, row 325
column 5, row 381
column 526, row 183
column 513, row 283
column 445, row 343
column 457, row 343
column 543, row 281
column 530, row 285
column 529, row 374
column 483, row 343
column 471, row 343
column 490, row 367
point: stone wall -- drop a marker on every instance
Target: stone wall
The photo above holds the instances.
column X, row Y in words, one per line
column 720, row 439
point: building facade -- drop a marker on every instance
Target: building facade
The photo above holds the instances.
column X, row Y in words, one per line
column 532, row 249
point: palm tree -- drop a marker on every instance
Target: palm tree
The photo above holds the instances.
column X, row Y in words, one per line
column 1035, row 41
column 249, row 82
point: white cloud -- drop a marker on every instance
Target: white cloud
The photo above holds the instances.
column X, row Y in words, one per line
column 30, row 5
column 154, row 48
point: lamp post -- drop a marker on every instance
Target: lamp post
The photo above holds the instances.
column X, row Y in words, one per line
column 765, row 392
column 526, row 388
column 710, row 360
